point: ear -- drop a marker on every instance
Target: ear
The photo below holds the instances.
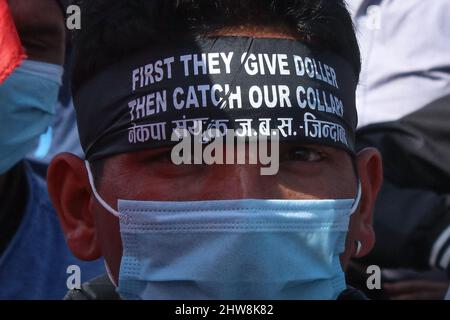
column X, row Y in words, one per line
column 370, row 170
column 69, row 190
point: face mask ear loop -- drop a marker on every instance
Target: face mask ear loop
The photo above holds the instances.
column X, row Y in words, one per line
column 357, row 201
column 94, row 190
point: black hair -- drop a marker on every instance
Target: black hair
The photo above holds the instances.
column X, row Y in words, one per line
column 112, row 29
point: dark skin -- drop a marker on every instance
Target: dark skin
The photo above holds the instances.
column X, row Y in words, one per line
column 41, row 28
column 306, row 172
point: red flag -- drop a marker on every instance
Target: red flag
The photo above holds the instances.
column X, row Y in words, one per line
column 11, row 51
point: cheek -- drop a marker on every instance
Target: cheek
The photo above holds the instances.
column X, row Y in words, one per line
column 108, row 237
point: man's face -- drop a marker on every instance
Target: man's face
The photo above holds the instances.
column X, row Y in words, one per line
column 306, row 171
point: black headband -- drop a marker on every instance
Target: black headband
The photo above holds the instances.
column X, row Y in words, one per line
column 219, row 83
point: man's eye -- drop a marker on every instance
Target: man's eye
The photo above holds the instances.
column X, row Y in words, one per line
column 304, row 154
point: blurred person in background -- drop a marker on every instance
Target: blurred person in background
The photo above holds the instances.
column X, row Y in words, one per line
column 403, row 102
column 34, row 257
column 285, row 236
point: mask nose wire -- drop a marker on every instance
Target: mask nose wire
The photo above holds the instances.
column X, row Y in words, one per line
column 94, row 190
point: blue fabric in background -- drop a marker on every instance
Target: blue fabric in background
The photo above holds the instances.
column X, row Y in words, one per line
column 35, row 263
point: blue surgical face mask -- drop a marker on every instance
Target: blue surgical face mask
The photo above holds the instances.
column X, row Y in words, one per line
column 27, row 103
column 233, row 249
